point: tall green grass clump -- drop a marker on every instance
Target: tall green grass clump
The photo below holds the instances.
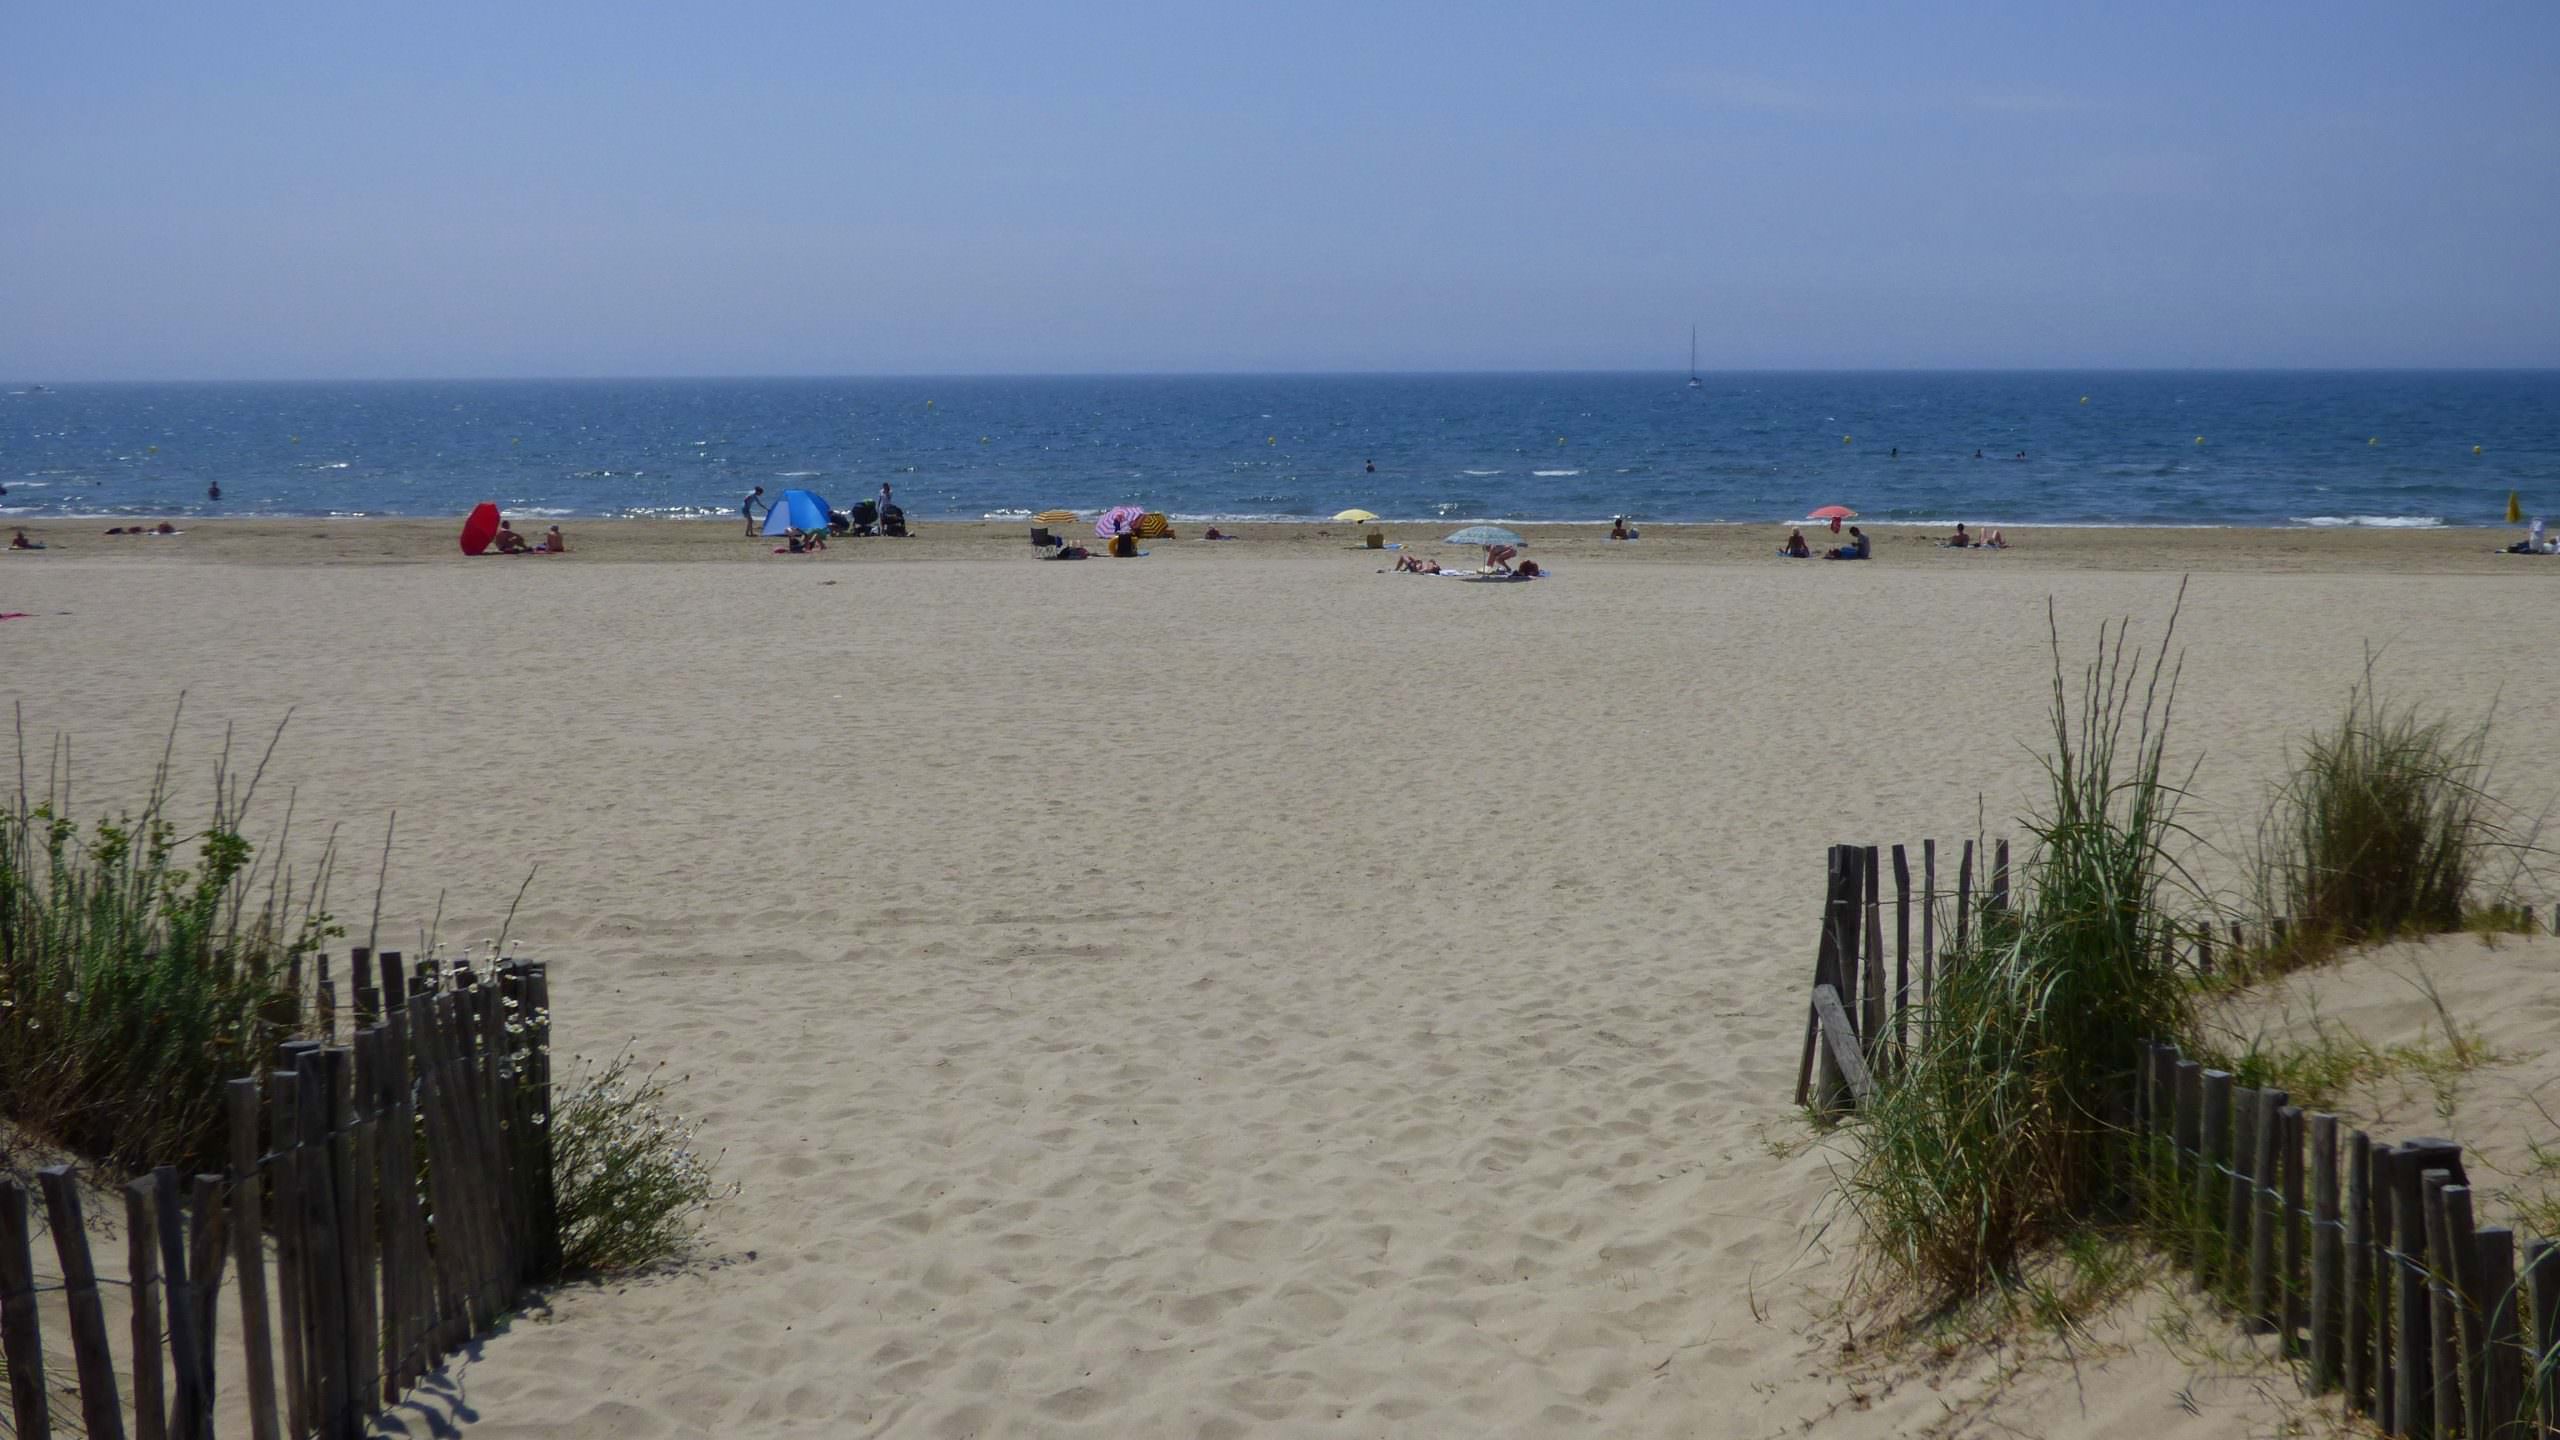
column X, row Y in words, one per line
column 2382, row 826
column 143, row 963
column 1995, row 1136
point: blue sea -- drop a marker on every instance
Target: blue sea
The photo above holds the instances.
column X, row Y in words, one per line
column 2139, row 448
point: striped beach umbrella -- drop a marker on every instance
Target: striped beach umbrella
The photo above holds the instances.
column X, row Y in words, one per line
column 1116, row 519
column 1056, row 517
column 1153, row 526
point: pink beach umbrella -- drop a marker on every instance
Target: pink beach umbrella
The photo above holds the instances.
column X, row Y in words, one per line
column 1117, row 519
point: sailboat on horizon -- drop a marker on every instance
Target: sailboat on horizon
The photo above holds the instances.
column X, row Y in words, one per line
column 1693, row 357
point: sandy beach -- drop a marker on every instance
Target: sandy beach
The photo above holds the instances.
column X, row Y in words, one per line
column 1236, row 992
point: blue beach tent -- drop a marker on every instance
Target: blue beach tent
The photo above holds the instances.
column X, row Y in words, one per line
column 796, row 510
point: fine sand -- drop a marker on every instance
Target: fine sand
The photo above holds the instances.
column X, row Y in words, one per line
column 1236, row 992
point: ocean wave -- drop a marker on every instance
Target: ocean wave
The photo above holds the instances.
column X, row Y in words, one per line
column 798, row 474
column 1479, row 472
column 1553, row 474
column 2377, row 522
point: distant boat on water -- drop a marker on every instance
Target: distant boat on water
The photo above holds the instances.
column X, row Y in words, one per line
column 1693, row 357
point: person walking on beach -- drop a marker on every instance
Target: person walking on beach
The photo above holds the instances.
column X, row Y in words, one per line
column 747, row 507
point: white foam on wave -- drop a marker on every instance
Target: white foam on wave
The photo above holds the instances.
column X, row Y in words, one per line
column 2376, row 522
column 1553, row 474
column 798, row 474
column 1479, row 472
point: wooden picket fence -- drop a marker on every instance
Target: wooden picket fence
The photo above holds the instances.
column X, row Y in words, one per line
column 387, row 1201
column 2366, row 1262
column 2384, row 1284
column 1859, row 1023
column 1865, row 1002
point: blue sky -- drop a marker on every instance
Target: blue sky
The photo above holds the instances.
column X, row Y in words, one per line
column 577, row 188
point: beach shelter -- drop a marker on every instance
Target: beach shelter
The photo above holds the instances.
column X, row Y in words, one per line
column 1486, row 535
column 1110, row 522
column 480, row 527
column 796, row 510
column 1055, row 517
column 1354, row 516
column 1153, row 526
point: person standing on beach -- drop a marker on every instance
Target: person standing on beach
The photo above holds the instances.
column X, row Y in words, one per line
column 747, row 507
column 885, row 502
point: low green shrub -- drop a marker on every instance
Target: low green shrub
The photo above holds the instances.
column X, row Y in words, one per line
column 143, row 964
column 631, row 1179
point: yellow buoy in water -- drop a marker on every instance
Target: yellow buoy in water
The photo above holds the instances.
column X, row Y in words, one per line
column 928, row 404
column 2515, row 508
column 296, row 439
column 155, row 449
column 982, row 439
column 2475, row 449
column 1270, row 439
column 2373, row 440
column 2199, row 439
column 1559, row 439
column 1844, row 439
column 2084, row 399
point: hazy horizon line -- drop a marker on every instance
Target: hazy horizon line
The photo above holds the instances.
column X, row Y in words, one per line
column 1522, row 372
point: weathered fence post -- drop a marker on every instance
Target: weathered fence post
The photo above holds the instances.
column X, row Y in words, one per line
column 2240, row 1197
column 2266, row 1304
column 142, row 1277
column 2295, row 1274
column 2501, row 1338
column 1874, row 1021
column 2213, row 1155
column 1826, row 971
column 100, row 1410
column 20, row 1341
column 2542, row 1288
column 1901, row 952
column 1928, row 930
column 2412, row 1162
column 2328, row 1252
column 2186, row 1132
column 1964, row 900
column 248, row 1243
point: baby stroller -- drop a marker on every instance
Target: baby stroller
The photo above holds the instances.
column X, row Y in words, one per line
column 866, row 518
column 893, row 522
column 839, row 522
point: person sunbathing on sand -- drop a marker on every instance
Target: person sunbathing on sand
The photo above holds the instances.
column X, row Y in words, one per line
column 508, row 542
column 1959, row 540
column 553, row 543
column 1993, row 541
column 20, row 541
column 1796, row 548
column 1417, row 565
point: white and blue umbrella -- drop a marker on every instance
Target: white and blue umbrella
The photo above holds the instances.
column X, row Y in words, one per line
column 1485, row 535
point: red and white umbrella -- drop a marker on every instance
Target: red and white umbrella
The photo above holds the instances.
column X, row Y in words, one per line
column 1117, row 519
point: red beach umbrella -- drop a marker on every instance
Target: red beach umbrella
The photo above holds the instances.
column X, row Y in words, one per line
column 1835, row 514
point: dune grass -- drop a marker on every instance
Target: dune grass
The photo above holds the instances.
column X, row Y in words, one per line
column 143, row 963
column 2383, row 826
column 1995, row 1137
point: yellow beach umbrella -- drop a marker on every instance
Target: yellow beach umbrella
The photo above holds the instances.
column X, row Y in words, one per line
column 1153, row 525
column 1056, row 517
column 2515, row 509
column 1356, row 517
